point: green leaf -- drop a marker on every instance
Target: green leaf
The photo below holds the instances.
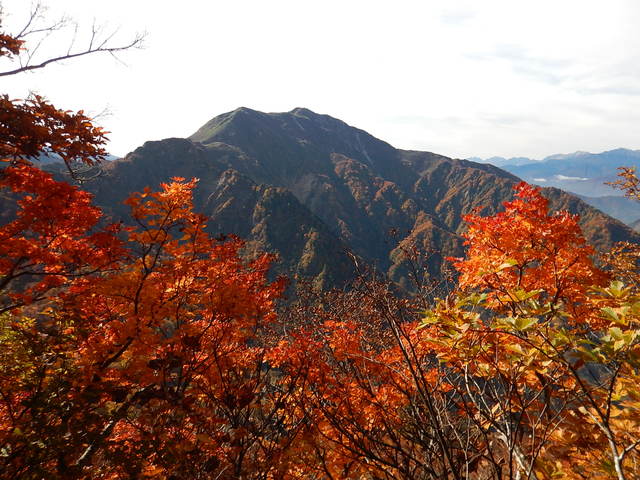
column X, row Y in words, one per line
column 523, row 323
column 477, row 298
column 508, row 263
column 559, row 339
column 619, row 345
column 616, row 289
column 587, row 355
column 611, row 315
column 430, row 318
column 616, row 333
column 516, row 348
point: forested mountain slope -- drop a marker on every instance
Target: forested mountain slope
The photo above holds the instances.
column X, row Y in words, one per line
column 309, row 187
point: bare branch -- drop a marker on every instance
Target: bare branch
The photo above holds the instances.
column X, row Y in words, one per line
column 98, row 41
column 35, row 13
column 135, row 43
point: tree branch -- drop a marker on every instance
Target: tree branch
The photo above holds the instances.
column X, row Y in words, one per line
column 135, row 43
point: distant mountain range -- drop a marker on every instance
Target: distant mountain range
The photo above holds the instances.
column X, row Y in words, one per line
column 310, row 188
column 582, row 173
column 502, row 162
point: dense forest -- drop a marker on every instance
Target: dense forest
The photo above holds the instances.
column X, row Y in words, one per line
column 154, row 350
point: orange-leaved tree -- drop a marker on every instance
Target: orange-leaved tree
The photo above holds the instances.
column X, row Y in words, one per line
column 374, row 402
column 51, row 238
column 124, row 352
column 540, row 351
column 525, row 248
column 624, row 257
column 151, row 367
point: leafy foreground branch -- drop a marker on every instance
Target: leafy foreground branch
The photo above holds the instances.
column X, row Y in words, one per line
column 129, row 358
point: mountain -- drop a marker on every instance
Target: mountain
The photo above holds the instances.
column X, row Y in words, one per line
column 309, row 188
column 505, row 162
column 566, row 156
column 268, row 217
column 582, row 173
column 624, row 209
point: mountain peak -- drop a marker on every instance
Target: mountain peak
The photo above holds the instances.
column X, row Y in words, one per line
column 320, row 119
column 241, row 118
column 303, row 112
column 622, row 151
column 282, row 131
column 242, row 112
column 245, row 109
column 309, row 186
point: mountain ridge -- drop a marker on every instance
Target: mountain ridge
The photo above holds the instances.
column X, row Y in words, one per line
column 309, row 187
column 584, row 174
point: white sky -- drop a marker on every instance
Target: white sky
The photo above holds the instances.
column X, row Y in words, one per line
column 460, row 78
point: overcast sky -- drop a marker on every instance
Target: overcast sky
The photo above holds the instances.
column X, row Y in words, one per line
column 460, row 78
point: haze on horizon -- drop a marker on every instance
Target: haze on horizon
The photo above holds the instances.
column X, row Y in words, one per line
column 457, row 78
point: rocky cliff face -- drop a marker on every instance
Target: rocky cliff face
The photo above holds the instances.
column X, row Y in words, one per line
column 310, row 187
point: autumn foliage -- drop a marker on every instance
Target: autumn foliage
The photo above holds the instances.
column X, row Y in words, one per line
column 540, row 349
column 525, row 248
column 50, row 240
column 152, row 357
column 126, row 351
column 33, row 127
column 152, row 350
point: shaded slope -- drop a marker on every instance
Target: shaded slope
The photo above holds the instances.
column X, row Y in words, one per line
column 269, row 218
column 308, row 187
column 363, row 188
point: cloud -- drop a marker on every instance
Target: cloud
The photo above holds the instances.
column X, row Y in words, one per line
column 564, row 177
column 457, row 17
column 512, row 120
column 609, row 84
column 423, row 120
column 545, row 69
column 582, row 76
